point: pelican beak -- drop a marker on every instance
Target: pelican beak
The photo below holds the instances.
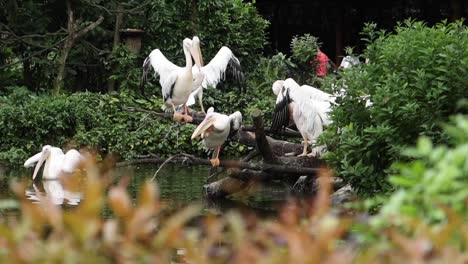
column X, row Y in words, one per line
column 197, row 57
column 207, row 123
column 45, row 154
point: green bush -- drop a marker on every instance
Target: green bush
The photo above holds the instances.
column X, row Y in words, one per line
column 304, row 49
column 415, row 78
column 88, row 120
column 437, row 177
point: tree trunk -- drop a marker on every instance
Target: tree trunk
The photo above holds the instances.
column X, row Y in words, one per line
column 118, row 26
column 67, row 45
column 73, row 35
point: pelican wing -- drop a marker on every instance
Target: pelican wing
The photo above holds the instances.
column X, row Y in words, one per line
column 166, row 70
column 281, row 114
column 215, row 71
column 71, row 161
column 235, row 121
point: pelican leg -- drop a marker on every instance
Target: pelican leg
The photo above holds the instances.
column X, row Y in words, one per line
column 187, row 118
column 177, row 117
column 215, row 161
column 304, row 151
column 201, row 104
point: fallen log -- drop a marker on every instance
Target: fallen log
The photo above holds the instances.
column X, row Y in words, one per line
column 198, row 118
column 192, row 160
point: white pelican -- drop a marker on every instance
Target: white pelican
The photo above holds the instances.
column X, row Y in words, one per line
column 176, row 82
column 56, row 162
column 215, row 71
column 308, row 92
column 309, row 113
column 215, row 129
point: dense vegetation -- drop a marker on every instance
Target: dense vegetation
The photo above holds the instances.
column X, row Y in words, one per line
column 417, row 78
column 412, row 140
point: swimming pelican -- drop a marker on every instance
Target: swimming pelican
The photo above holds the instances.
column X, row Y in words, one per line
column 309, row 114
column 176, row 82
column 215, row 71
column 215, row 129
column 56, row 162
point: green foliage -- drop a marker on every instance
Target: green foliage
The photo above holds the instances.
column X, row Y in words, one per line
column 414, row 79
column 125, row 73
column 87, row 119
column 438, row 176
column 35, row 36
column 304, row 49
column 217, row 23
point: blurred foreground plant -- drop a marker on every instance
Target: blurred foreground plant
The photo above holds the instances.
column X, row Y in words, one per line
column 143, row 231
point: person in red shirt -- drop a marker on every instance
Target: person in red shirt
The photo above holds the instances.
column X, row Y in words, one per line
column 322, row 63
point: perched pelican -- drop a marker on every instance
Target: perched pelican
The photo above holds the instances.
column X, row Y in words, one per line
column 176, row 82
column 215, row 71
column 308, row 92
column 310, row 114
column 56, row 162
column 215, row 129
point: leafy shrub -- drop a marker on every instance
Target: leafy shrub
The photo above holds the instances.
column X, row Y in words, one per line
column 87, row 119
column 437, row 177
column 414, row 79
column 141, row 230
column 304, row 50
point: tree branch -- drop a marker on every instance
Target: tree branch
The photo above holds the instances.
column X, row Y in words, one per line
column 192, row 160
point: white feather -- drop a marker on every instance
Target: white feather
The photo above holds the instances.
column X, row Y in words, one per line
column 71, row 160
column 166, row 70
column 55, row 162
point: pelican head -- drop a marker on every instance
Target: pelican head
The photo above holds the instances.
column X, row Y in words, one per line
column 38, row 159
column 277, row 86
column 196, row 52
column 205, row 125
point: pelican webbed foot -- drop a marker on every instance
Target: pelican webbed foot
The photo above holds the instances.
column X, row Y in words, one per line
column 214, row 162
column 177, row 117
column 187, row 118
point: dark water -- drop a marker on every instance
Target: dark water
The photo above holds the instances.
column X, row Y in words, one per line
column 178, row 186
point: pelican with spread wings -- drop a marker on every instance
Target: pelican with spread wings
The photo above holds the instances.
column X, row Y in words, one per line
column 215, row 71
column 176, row 82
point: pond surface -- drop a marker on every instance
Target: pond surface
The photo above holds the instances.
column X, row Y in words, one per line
column 178, row 186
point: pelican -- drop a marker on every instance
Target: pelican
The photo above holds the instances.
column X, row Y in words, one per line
column 56, row 162
column 215, row 71
column 308, row 92
column 309, row 112
column 176, row 82
column 215, row 129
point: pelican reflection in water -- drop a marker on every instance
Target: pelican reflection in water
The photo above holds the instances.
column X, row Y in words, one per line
column 55, row 191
